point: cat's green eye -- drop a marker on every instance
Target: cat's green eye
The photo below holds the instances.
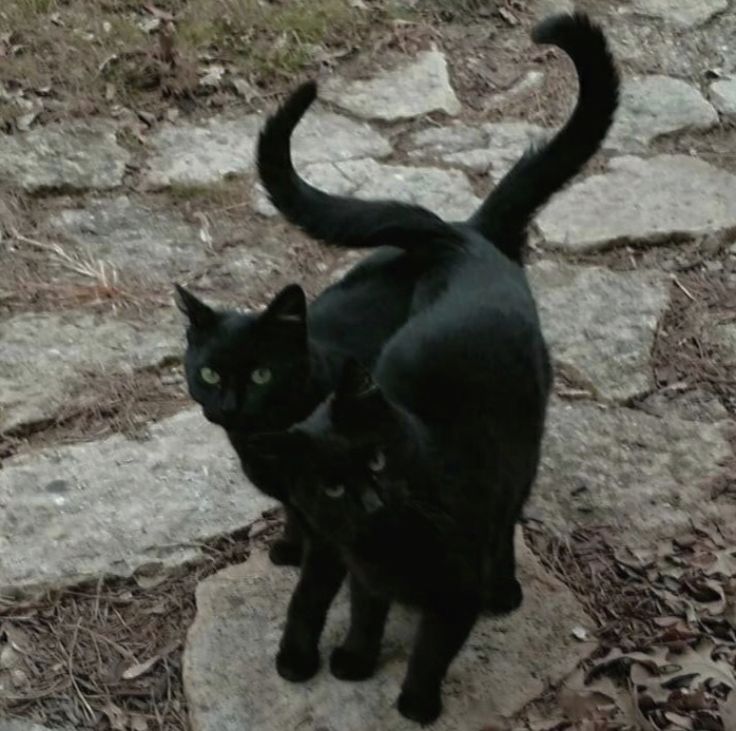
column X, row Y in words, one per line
column 335, row 491
column 378, row 462
column 210, row 377
column 261, row 376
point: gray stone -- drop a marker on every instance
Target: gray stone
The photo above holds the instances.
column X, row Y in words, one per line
column 492, row 149
column 683, row 13
column 656, row 105
column 63, row 156
column 600, row 324
column 410, row 90
column 433, row 142
column 131, row 236
column 446, row 192
column 201, row 154
column 641, row 200
column 114, row 506
column 723, row 336
column 45, row 357
column 231, row 682
column 647, row 478
column 695, row 405
column 20, row 725
column 723, row 94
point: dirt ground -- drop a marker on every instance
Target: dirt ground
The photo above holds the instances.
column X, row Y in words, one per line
column 142, row 62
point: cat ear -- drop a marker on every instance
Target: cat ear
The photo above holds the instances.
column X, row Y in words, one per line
column 289, row 305
column 355, row 382
column 200, row 315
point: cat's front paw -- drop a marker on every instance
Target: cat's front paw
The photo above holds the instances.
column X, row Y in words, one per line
column 424, row 708
column 506, row 597
column 297, row 666
column 285, row 553
column 347, row 665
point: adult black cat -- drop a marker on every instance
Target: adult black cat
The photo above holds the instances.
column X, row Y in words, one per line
column 260, row 372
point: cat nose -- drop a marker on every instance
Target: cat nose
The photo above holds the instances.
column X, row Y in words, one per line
column 229, row 404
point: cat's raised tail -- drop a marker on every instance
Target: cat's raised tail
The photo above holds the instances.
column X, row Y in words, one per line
column 336, row 220
column 504, row 216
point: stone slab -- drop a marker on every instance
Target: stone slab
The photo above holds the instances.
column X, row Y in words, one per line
column 200, row 154
column 231, row 682
column 45, row 357
column 723, row 94
column 76, row 156
column 492, row 148
column 647, row 478
column 446, row 192
column 129, row 235
column 600, row 324
column 412, row 89
column 7, row 724
column 656, row 105
column 111, row 507
column 647, row 201
column 682, row 13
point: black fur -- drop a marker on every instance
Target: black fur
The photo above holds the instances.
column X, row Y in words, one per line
column 416, row 480
column 504, row 216
column 355, row 317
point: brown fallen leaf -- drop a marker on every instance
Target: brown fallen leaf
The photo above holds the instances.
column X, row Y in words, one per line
column 135, row 671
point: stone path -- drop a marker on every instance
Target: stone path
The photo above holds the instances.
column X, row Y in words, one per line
column 620, row 454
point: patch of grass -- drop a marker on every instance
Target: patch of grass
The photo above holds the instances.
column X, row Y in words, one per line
column 273, row 39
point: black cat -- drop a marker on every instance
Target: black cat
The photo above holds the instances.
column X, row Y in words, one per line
column 415, row 482
column 260, row 372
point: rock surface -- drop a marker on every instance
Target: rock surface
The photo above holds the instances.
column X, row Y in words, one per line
column 45, row 357
column 492, row 148
column 231, row 682
column 19, row 725
column 723, row 94
column 600, row 324
column 695, row 405
column 646, row 477
column 641, row 200
column 723, row 336
column 446, row 192
column 684, row 13
column 63, row 156
column 128, row 235
column 410, row 90
column 201, row 154
column 114, row 506
column 655, row 105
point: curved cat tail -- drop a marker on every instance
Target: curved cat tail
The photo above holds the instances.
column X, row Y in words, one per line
column 504, row 216
column 336, row 220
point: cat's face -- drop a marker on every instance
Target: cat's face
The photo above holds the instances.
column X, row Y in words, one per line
column 248, row 371
column 342, row 460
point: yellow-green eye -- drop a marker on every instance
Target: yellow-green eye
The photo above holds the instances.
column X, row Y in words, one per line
column 261, row 376
column 335, row 491
column 210, row 377
column 378, row 462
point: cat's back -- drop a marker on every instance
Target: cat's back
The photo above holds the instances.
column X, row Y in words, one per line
column 367, row 306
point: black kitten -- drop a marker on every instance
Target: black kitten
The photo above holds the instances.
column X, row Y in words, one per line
column 260, row 372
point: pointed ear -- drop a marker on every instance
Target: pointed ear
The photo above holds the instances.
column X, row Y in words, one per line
column 289, row 305
column 200, row 315
column 355, row 382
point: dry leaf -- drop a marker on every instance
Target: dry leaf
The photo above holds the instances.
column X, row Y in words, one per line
column 116, row 716
column 135, row 671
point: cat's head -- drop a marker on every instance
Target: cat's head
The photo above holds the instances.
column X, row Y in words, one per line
column 345, row 462
column 248, row 371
